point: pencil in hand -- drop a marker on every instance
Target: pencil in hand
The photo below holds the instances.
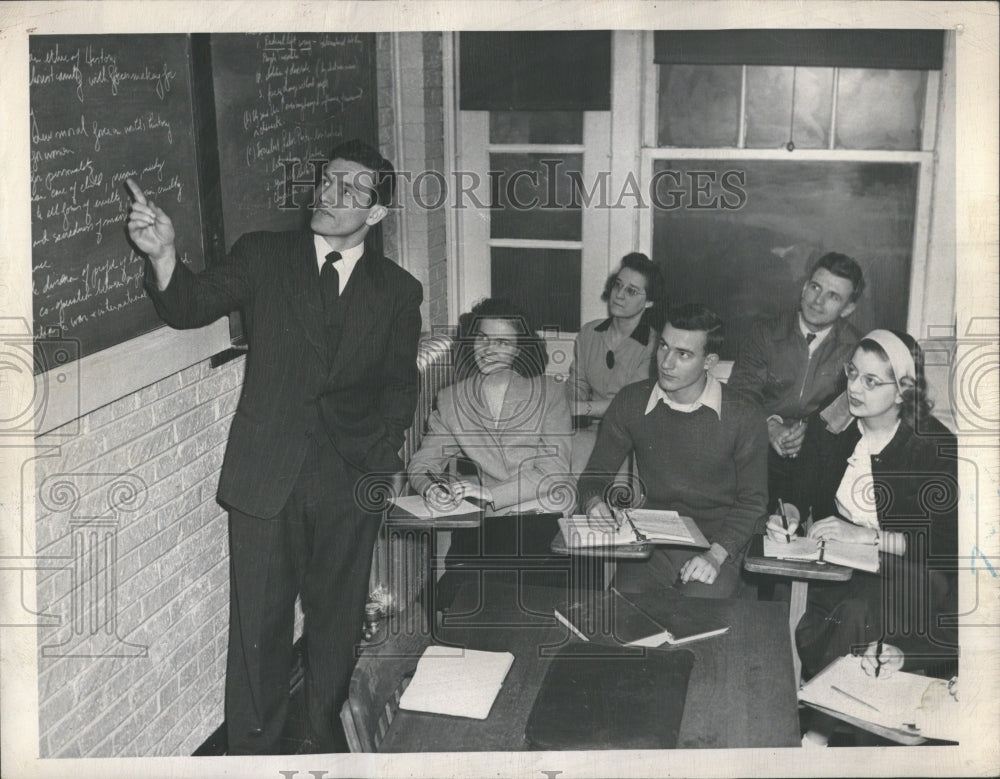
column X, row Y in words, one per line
column 784, row 520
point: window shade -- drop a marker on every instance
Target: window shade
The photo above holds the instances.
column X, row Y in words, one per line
column 535, row 71
column 892, row 49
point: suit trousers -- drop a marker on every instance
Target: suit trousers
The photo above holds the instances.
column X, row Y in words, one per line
column 318, row 547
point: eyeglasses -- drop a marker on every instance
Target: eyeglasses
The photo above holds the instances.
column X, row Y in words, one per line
column 630, row 291
column 500, row 343
column 868, row 381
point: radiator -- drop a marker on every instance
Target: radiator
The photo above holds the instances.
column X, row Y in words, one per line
column 399, row 561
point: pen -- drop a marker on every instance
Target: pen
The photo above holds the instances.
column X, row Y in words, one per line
column 878, row 657
column 809, row 521
column 438, row 481
column 784, row 520
column 853, row 698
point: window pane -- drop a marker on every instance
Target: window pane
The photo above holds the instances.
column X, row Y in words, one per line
column 536, row 127
column 769, row 106
column 544, row 282
column 533, row 196
column 699, row 105
column 880, row 109
column 748, row 257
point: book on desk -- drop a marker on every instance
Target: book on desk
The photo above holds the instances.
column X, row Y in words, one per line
column 863, row 557
column 415, row 507
column 634, row 527
column 911, row 707
column 638, row 620
column 456, row 681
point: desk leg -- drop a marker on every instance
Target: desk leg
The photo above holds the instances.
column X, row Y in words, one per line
column 796, row 608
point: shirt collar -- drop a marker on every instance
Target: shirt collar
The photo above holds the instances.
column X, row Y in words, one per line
column 348, row 257
column 820, row 334
column 640, row 334
column 711, row 396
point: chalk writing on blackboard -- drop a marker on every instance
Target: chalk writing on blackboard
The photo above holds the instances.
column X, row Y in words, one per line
column 283, row 101
column 103, row 108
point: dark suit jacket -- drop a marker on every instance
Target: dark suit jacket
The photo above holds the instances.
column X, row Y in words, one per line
column 365, row 396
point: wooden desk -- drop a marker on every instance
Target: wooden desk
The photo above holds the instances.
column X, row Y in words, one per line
column 800, row 572
column 740, row 693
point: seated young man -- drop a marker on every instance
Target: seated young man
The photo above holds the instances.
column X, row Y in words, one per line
column 700, row 450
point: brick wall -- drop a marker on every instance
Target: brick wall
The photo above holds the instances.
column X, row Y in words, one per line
column 134, row 590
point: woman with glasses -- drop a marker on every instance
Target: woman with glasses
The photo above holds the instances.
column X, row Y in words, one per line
column 879, row 469
column 509, row 425
column 616, row 351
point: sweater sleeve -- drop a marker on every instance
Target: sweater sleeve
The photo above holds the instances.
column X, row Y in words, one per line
column 614, row 444
column 750, row 460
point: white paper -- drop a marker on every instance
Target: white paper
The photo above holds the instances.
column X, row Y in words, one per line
column 456, row 681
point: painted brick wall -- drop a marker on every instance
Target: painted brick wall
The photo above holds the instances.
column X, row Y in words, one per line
column 134, row 594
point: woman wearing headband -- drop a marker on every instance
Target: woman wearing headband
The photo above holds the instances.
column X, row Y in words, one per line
column 878, row 469
column 616, row 351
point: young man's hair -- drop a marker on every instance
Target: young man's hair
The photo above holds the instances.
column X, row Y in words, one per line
column 845, row 267
column 656, row 287
column 694, row 316
column 365, row 154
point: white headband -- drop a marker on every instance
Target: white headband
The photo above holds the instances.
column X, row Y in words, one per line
column 900, row 358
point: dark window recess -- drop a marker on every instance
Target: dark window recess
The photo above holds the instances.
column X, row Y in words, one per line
column 544, row 282
column 535, row 71
column 535, row 196
column 894, row 49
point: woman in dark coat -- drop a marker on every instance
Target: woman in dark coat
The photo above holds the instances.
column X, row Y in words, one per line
column 879, row 469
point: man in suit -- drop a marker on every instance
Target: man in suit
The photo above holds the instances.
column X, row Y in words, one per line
column 793, row 365
column 329, row 391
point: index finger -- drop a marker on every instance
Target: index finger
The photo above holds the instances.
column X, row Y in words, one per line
column 136, row 191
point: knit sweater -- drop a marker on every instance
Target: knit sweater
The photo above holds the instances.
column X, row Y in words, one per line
column 710, row 469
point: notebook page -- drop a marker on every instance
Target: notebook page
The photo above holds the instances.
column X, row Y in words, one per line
column 455, row 681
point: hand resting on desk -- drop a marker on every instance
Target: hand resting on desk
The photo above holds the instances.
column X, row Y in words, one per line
column 441, row 497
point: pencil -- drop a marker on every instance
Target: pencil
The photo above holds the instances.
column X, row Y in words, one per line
column 784, row 521
column 878, row 657
column 854, row 698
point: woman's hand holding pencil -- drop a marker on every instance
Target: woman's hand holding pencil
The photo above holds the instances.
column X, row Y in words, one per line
column 781, row 527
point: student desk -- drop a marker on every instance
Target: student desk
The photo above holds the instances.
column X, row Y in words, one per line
column 800, row 573
column 740, row 693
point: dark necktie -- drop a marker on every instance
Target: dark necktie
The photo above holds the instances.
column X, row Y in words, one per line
column 810, row 337
column 329, row 282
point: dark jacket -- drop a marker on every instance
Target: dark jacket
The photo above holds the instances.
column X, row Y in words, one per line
column 774, row 369
column 363, row 397
column 912, row 601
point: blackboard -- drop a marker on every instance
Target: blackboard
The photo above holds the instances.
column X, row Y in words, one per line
column 740, row 235
column 283, row 98
column 103, row 108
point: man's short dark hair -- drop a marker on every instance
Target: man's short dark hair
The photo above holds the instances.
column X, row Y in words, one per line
column 694, row 316
column 356, row 150
column 845, row 267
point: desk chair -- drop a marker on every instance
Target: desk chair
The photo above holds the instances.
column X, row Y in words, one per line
column 800, row 573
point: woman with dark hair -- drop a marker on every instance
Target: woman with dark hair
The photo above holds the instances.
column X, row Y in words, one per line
column 616, row 351
column 509, row 425
column 881, row 471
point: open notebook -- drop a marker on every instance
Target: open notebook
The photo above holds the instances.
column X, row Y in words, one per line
column 638, row 526
column 917, row 705
column 456, row 681
column 864, row 557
